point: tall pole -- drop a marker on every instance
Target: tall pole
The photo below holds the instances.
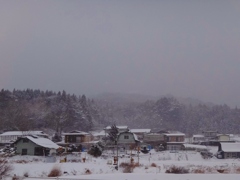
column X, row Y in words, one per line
column 117, row 156
column 138, row 153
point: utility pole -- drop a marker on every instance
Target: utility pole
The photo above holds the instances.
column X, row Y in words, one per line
column 117, row 156
column 138, row 151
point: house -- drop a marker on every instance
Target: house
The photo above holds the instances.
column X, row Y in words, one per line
column 77, row 137
column 210, row 135
column 34, row 145
column 98, row 136
column 223, row 137
column 119, row 128
column 127, row 140
column 11, row 136
column 198, row 138
column 211, row 138
column 173, row 140
column 153, row 138
column 140, row 132
column 228, row 150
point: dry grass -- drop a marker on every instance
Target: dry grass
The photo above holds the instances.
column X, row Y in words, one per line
column 210, row 170
column 21, row 161
column 55, row 172
column 128, row 167
column 5, row 168
column 153, row 165
column 237, row 170
column 177, row 170
column 198, row 171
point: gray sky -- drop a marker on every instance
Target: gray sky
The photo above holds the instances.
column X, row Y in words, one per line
column 184, row 48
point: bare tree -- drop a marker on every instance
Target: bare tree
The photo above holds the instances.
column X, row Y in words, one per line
column 5, row 168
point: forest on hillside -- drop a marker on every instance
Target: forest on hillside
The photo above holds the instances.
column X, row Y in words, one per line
column 35, row 109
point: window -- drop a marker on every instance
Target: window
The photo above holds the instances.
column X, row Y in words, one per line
column 234, row 155
column 25, row 140
column 126, row 137
column 24, row 151
column 38, row 151
column 227, row 155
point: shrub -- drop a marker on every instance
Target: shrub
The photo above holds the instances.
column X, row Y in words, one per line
column 5, row 168
column 25, row 174
column 55, row 172
column 128, row 167
column 96, row 150
column 198, row 171
column 177, row 170
column 237, row 170
column 210, row 169
column 87, row 171
column 153, row 165
column 220, row 170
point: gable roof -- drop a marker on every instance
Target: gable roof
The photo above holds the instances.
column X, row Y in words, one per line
column 101, row 133
column 44, row 142
column 199, row 135
column 174, row 133
column 22, row 133
column 230, row 147
column 134, row 135
column 119, row 127
column 76, row 132
column 140, row 130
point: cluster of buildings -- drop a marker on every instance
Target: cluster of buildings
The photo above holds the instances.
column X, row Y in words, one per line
column 38, row 143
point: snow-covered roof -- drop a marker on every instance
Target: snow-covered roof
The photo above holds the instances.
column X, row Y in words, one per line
column 230, row 147
column 101, row 133
column 119, row 127
column 76, row 133
column 135, row 137
column 22, row 133
column 195, row 146
column 174, row 134
column 140, row 130
column 198, row 135
column 44, row 142
column 223, row 135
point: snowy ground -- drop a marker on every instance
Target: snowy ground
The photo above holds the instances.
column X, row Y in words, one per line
column 98, row 168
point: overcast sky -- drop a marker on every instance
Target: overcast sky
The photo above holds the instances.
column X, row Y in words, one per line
column 180, row 47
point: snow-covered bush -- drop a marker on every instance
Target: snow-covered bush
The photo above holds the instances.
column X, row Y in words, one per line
column 96, row 150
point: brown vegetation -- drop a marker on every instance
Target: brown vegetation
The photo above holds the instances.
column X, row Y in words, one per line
column 5, row 168
column 128, row 167
column 55, row 172
column 177, row 170
column 153, row 165
column 87, row 171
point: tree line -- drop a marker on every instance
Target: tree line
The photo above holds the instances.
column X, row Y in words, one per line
column 29, row 109
column 35, row 109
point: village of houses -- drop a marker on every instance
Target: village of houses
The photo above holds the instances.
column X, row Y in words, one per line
column 38, row 143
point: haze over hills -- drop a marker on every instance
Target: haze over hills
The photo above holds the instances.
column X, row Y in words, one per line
column 141, row 98
column 36, row 109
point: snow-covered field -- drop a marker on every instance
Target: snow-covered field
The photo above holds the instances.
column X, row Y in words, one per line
column 100, row 168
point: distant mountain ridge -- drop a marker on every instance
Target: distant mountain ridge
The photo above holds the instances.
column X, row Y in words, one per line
column 140, row 98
